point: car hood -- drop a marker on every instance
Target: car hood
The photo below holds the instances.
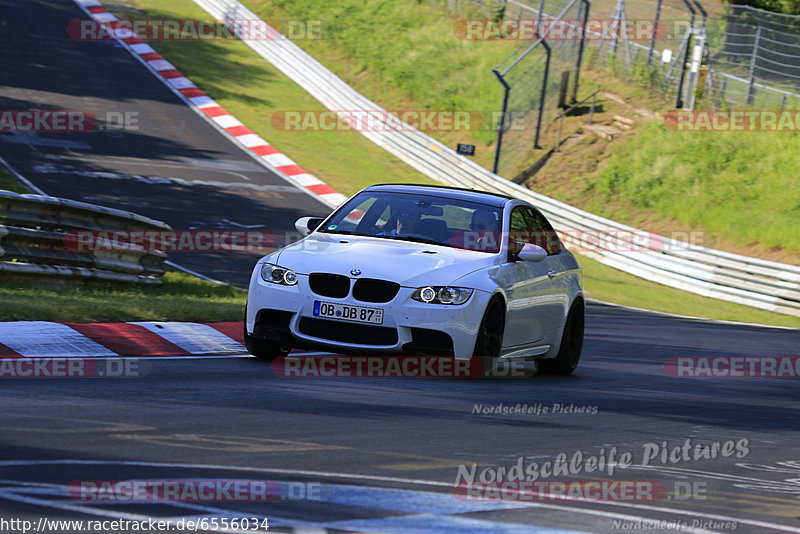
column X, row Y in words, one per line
column 407, row 263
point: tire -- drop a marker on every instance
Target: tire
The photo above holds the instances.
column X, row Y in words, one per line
column 569, row 353
column 490, row 335
column 261, row 348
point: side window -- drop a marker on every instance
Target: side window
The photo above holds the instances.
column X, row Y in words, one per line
column 530, row 226
column 517, row 231
column 545, row 236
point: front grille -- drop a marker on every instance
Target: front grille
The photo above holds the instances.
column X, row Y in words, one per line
column 329, row 285
column 430, row 342
column 372, row 290
column 360, row 334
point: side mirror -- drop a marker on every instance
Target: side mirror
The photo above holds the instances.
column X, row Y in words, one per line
column 531, row 252
column 306, row 225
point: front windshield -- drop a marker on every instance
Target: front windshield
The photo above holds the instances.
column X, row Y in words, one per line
column 420, row 218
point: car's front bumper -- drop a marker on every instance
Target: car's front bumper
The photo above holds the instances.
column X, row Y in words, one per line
column 405, row 321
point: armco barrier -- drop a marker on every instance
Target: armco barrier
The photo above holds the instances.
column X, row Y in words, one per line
column 754, row 282
column 35, row 231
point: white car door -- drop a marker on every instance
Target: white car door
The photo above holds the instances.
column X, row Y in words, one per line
column 537, row 292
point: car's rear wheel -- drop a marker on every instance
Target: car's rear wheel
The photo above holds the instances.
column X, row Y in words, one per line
column 490, row 335
column 261, row 348
column 569, row 354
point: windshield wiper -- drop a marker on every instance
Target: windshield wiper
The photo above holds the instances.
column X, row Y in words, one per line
column 343, row 232
column 417, row 239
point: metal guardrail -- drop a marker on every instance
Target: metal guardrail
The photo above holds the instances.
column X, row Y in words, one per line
column 750, row 281
column 38, row 238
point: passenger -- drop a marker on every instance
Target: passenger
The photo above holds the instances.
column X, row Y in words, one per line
column 484, row 223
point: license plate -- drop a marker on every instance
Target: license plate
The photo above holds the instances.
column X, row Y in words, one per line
column 345, row 312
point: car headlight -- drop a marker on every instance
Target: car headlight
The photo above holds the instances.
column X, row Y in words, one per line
column 278, row 275
column 442, row 295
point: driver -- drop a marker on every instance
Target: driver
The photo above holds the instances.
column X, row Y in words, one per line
column 485, row 225
column 406, row 224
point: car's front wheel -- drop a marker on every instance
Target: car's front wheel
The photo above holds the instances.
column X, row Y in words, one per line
column 490, row 335
column 261, row 348
column 569, row 353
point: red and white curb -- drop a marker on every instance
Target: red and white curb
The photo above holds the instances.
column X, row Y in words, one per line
column 45, row 339
column 216, row 114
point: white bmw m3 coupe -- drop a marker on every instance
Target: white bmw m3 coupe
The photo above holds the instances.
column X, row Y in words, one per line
column 415, row 269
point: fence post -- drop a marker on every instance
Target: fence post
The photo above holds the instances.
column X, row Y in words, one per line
column 541, row 16
column 655, row 30
column 585, row 5
column 690, row 33
column 697, row 57
column 615, row 16
column 752, row 77
column 624, row 24
column 502, row 126
column 542, row 95
column 694, row 70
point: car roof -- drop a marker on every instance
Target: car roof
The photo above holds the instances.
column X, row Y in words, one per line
column 483, row 197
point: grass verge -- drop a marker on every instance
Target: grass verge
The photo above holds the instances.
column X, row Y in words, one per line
column 180, row 298
column 9, row 182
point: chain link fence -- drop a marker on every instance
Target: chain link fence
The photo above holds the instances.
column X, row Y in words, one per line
column 731, row 55
column 539, row 81
column 756, row 59
column 655, row 46
column 716, row 54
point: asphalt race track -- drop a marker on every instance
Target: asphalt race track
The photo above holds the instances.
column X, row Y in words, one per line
column 382, row 455
column 168, row 163
column 344, row 454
